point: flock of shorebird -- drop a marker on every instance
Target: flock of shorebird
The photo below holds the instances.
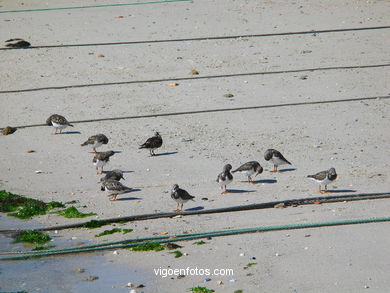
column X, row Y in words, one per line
column 110, row 182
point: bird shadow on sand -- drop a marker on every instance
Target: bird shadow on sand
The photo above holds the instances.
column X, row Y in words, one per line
column 269, row 181
column 287, row 170
column 165, row 154
column 128, row 198
column 195, row 208
column 239, row 191
column 71, row 132
column 340, row 190
column 124, row 172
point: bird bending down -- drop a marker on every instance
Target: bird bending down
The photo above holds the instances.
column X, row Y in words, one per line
column 276, row 157
column 96, row 141
column 58, row 122
column 224, row 178
column 100, row 159
column 180, row 196
column 114, row 188
column 324, row 178
column 248, row 169
column 152, row 143
column 114, row 174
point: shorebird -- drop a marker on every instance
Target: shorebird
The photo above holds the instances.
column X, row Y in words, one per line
column 224, row 178
column 276, row 157
column 152, row 143
column 100, row 159
column 248, row 169
column 114, row 188
column 58, row 122
column 96, row 141
column 180, row 196
column 114, row 174
column 324, row 178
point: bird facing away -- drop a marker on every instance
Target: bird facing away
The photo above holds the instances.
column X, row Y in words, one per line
column 100, row 159
column 113, row 187
column 114, row 175
column 96, row 141
column 324, row 178
column 248, row 169
column 224, row 178
column 152, row 143
column 180, row 196
column 17, row 43
column 58, row 122
column 276, row 157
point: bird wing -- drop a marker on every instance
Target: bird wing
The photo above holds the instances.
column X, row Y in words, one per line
column 319, row 176
column 280, row 156
column 90, row 140
column 152, row 142
column 184, row 194
column 246, row 167
column 115, row 185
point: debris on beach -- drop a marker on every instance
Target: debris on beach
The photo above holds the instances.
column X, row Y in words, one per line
column 91, row 278
column 194, row 72
column 228, row 95
column 8, row 130
column 17, row 43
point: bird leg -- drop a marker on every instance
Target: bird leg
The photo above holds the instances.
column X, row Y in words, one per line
column 94, row 150
column 113, row 197
column 275, row 169
column 250, row 180
column 319, row 190
column 177, row 208
column 224, row 191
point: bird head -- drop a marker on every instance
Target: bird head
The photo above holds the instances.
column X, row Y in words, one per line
column 227, row 168
column 175, row 187
column 259, row 170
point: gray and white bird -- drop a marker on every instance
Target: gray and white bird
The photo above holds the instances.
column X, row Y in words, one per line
column 180, row 196
column 114, row 188
column 224, row 178
column 113, row 174
column 58, row 122
column 152, row 143
column 100, row 159
column 276, row 157
column 324, row 178
column 96, row 141
column 248, row 169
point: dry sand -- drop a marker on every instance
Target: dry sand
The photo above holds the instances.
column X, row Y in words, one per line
column 350, row 136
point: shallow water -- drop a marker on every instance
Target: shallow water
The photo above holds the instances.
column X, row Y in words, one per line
column 57, row 273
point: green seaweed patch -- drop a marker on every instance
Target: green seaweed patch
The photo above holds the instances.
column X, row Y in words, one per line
column 156, row 246
column 201, row 290
column 72, row 212
column 94, row 224
column 31, row 236
column 177, row 253
column 112, row 231
column 23, row 207
column 239, row 291
column 44, row 247
column 199, row 242
column 251, row 264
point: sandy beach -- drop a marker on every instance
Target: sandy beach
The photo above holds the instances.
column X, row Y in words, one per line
column 308, row 79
